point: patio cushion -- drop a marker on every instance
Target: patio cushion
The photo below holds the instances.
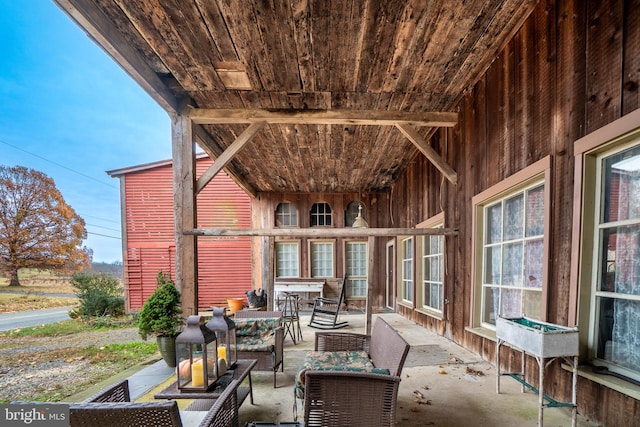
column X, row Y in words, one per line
column 356, row 361
column 256, row 334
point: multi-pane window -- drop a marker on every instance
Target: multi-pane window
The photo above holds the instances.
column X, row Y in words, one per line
column 320, row 215
column 512, row 255
column 432, row 271
column 286, row 215
column 321, row 259
column 356, row 268
column 287, row 259
column 407, row 269
column 615, row 296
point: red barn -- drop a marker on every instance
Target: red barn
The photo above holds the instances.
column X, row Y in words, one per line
column 148, row 244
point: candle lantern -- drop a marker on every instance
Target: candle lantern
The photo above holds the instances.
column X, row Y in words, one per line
column 196, row 350
column 225, row 331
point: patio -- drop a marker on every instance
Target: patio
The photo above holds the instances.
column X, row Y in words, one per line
column 457, row 387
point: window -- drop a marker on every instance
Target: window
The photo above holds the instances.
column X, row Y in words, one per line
column 320, row 214
column 321, row 259
column 432, row 270
column 407, row 269
column 356, row 268
column 351, row 213
column 510, row 247
column 609, row 270
column 286, row 215
column 287, row 259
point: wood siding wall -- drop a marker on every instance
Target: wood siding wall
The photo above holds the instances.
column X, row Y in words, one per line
column 224, row 265
column 572, row 68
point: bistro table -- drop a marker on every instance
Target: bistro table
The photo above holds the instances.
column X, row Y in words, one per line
column 205, row 399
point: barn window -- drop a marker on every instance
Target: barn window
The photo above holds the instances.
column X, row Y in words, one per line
column 609, row 272
column 407, row 270
column 321, row 259
column 510, row 246
column 356, row 268
column 352, row 212
column 432, row 268
column 286, row 215
column 320, row 215
column 287, row 259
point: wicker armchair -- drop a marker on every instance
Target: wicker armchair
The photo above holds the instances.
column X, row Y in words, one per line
column 130, row 414
column 386, row 347
column 350, row 399
column 118, row 392
column 224, row 412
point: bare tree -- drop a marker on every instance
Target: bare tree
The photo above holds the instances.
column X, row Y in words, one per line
column 38, row 229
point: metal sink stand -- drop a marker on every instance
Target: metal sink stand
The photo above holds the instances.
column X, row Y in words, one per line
column 546, row 342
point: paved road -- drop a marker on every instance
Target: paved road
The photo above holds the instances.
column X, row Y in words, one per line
column 26, row 319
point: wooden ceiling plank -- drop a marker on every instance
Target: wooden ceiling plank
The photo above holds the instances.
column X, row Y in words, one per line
column 228, row 154
column 429, row 152
column 92, row 19
column 339, row 117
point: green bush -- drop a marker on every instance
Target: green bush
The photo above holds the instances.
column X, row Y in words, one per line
column 161, row 312
column 99, row 294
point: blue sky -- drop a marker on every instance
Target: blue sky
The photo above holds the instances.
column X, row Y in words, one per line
column 69, row 111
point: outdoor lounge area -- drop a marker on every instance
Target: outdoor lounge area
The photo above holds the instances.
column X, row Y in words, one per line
column 442, row 384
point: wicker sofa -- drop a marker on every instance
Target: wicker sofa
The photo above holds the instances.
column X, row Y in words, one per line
column 381, row 353
column 260, row 336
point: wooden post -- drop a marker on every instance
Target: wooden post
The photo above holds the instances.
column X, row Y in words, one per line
column 371, row 246
column 268, row 250
column 184, row 212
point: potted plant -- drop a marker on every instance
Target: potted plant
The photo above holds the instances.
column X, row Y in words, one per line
column 161, row 315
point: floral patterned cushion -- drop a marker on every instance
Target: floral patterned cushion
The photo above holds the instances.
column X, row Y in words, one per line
column 335, row 361
column 256, row 334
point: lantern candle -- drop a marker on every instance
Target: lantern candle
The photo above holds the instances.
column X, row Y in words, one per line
column 197, row 374
column 222, row 352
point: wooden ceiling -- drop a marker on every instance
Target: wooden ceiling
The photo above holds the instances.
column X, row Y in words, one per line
column 338, row 85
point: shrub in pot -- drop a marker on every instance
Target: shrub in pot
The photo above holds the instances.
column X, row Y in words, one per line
column 161, row 315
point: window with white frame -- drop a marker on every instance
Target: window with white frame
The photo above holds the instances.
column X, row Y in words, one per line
column 356, row 269
column 320, row 215
column 610, row 267
column 321, row 259
column 287, row 259
column 286, row 215
column 510, row 247
column 432, row 270
column 407, row 269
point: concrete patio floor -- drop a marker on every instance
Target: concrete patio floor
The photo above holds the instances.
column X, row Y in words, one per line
column 458, row 388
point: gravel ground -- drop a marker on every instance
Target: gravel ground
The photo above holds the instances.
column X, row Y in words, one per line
column 21, row 378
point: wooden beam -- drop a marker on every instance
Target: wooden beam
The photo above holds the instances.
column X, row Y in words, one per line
column 228, row 154
column 321, row 117
column 323, row 232
column 428, row 152
column 184, row 205
column 213, row 150
column 88, row 16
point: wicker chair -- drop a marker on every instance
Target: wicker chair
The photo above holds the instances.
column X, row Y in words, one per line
column 350, row 399
column 385, row 346
column 224, row 412
column 118, row 392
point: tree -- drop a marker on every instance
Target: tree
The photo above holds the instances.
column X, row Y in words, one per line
column 38, row 229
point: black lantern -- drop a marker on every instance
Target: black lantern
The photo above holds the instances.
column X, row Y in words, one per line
column 196, row 350
column 225, row 331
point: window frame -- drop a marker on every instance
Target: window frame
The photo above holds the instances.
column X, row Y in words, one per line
column 351, row 277
column 311, row 243
column 589, row 151
column 436, row 221
column 275, row 256
column 328, row 216
column 409, row 282
column 539, row 171
column 295, row 215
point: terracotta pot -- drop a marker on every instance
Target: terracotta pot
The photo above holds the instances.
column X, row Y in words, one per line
column 235, row 304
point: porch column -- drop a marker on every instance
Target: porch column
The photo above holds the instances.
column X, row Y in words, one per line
column 184, row 212
column 371, row 245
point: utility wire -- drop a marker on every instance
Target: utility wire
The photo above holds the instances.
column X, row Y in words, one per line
column 104, row 228
column 59, row 165
column 104, row 235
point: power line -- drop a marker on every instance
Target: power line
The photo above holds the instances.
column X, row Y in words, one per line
column 58, row 164
column 104, row 235
column 104, row 228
